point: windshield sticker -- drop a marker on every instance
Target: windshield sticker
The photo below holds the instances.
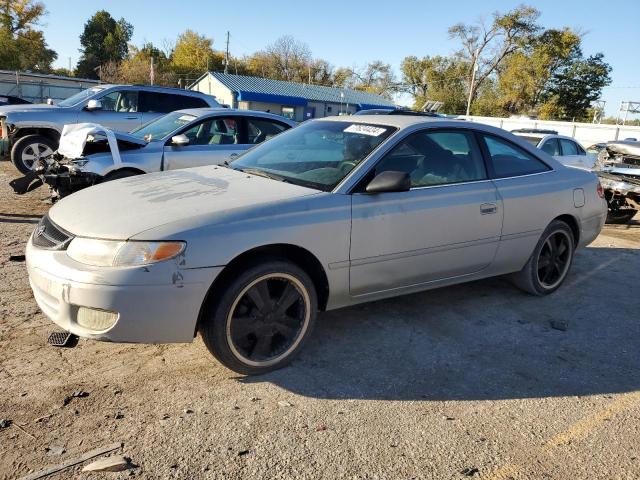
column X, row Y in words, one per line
column 365, row 130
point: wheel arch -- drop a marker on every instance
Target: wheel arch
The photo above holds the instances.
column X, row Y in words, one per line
column 300, row 256
column 574, row 225
column 50, row 133
column 135, row 170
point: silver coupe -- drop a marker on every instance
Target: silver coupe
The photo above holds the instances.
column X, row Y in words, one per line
column 332, row 213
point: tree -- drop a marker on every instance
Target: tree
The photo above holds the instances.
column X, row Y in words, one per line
column 574, row 87
column 136, row 68
column 103, row 40
column 376, row 77
column 525, row 75
column 194, row 54
column 490, row 44
column 436, row 78
column 23, row 47
column 285, row 59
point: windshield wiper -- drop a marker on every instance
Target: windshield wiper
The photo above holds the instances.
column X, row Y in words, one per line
column 262, row 173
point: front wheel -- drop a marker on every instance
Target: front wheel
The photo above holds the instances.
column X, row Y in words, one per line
column 28, row 150
column 262, row 318
column 549, row 263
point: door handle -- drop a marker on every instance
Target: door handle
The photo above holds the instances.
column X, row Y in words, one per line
column 131, row 118
column 488, row 208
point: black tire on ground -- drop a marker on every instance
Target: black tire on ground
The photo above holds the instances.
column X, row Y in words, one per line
column 620, row 216
column 29, row 148
column 244, row 321
column 550, row 262
column 118, row 174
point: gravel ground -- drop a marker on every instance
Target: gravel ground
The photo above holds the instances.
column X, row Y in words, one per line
column 477, row 380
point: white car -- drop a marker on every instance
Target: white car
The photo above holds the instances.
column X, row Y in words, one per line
column 564, row 149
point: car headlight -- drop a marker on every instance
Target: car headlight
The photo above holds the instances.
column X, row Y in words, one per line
column 115, row 253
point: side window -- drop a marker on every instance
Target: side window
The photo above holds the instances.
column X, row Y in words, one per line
column 120, row 101
column 436, row 158
column 152, row 102
column 551, row 146
column 167, row 102
column 214, row 131
column 185, row 101
column 568, row 147
column 581, row 151
column 259, row 130
column 510, row 161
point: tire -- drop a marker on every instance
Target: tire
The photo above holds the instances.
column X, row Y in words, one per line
column 118, row 174
column 28, row 149
column 239, row 332
column 620, row 216
column 535, row 278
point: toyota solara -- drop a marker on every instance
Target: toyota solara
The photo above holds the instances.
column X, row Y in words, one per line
column 329, row 214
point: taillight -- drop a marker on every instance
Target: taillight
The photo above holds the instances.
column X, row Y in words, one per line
column 600, row 190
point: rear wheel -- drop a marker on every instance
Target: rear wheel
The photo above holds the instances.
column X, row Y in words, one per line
column 550, row 261
column 262, row 319
column 29, row 149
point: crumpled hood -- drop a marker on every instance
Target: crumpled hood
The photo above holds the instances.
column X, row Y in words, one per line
column 123, row 208
column 74, row 138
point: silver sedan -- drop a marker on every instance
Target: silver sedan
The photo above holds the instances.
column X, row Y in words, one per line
column 332, row 213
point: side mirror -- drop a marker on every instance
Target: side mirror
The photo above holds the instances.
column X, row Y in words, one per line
column 179, row 140
column 94, row 105
column 390, row 181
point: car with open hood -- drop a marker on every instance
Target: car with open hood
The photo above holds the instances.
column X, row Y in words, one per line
column 329, row 214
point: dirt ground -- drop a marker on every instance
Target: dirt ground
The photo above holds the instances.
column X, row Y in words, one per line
column 477, row 380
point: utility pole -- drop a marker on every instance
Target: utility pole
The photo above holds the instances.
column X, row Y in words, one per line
column 226, row 56
column 473, row 78
column 69, row 65
column 152, row 73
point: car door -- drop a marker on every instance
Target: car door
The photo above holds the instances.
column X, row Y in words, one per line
column 447, row 225
column 212, row 141
column 574, row 155
column 527, row 189
column 119, row 111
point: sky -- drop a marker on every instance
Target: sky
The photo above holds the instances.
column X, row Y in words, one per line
column 353, row 33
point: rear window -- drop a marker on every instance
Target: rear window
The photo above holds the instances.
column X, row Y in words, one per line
column 511, row 161
column 532, row 140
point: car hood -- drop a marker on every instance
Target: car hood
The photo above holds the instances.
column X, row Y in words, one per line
column 121, row 209
column 34, row 108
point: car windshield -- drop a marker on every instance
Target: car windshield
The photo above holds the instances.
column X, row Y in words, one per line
column 532, row 140
column 159, row 128
column 79, row 97
column 317, row 154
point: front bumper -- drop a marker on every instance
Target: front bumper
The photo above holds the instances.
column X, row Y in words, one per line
column 157, row 303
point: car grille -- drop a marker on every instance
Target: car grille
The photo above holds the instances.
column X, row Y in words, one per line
column 48, row 235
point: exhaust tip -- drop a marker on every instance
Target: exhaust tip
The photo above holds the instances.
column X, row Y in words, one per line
column 62, row 339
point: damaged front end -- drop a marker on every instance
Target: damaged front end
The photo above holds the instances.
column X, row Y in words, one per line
column 73, row 166
column 61, row 175
column 618, row 167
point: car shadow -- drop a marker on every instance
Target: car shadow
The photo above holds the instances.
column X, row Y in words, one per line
column 482, row 340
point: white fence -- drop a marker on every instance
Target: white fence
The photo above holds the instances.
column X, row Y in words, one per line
column 585, row 133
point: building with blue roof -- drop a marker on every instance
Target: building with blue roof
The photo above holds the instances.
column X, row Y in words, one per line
column 297, row 101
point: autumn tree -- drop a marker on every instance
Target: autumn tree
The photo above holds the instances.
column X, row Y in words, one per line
column 23, row 46
column 193, row 54
column 436, row 78
column 103, row 40
column 487, row 45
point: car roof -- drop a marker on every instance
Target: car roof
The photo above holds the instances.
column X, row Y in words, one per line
column 153, row 88
column 202, row 112
column 399, row 121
